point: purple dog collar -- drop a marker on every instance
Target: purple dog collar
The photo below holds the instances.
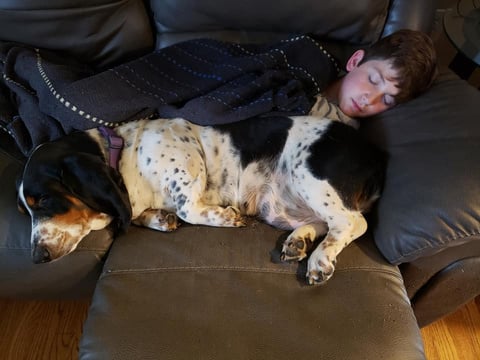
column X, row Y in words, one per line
column 115, row 145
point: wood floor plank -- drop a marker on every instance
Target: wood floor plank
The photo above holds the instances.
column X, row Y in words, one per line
column 36, row 330
column 456, row 336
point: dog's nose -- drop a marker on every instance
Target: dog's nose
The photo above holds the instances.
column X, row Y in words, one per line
column 40, row 254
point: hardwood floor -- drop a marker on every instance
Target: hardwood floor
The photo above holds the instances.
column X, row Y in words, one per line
column 455, row 337
column 41, row 330
column 35, row 330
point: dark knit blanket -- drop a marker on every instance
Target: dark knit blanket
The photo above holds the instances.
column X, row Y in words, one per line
column 44, row 96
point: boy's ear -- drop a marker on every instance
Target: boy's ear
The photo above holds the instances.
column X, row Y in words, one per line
column 355, row 60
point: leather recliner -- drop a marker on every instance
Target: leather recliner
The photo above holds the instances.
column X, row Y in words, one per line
column 210, row 293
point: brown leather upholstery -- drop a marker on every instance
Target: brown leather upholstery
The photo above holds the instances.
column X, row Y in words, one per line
column 180, row 296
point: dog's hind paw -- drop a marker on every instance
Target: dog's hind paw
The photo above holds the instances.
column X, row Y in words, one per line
column 234, row 217
column 295, row 247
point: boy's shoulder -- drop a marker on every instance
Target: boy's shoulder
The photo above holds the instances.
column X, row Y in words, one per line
column 323, row 108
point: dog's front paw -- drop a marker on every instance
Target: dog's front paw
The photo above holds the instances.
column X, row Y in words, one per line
column 158, row 219
column 295, row 247
column 320, row 268
column 170, row 221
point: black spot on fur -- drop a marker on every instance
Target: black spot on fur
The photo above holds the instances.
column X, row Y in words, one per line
column 259, row 137
column 181, row 199
column 224, row 177
column 354, row 167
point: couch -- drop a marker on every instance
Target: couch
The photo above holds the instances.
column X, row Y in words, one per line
column 215, row 293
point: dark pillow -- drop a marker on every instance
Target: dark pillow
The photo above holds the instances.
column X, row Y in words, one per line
column 431, row 198
column 97, row 32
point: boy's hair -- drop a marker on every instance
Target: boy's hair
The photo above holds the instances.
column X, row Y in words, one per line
column 413, row 56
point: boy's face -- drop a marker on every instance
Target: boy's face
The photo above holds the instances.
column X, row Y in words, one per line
column 368, row 88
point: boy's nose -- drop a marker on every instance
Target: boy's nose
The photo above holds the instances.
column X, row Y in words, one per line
column 365, row 101
column 370, row 98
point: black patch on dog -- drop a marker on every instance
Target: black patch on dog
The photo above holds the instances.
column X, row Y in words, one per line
column 259, row 137
column 52, row 202
column 354, row 167
column 75, row 165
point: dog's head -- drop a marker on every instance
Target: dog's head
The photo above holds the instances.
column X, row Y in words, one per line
column 69, row 193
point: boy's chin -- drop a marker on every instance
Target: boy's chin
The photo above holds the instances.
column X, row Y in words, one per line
column 350, row 112
column 354, row 113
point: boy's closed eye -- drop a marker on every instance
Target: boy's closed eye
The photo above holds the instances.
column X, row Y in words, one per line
column 389, row 100
column 375, row 78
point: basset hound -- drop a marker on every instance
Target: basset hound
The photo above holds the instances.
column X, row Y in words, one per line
column 308, row 174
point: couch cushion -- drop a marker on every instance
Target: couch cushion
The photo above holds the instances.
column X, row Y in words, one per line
column 95, row 31
column 431, row 199
column 214, row 293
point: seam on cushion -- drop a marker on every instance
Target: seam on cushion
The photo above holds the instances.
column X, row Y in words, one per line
column 110, row 272
column 437, row 245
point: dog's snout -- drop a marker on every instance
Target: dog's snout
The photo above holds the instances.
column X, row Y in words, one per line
column 40, row 254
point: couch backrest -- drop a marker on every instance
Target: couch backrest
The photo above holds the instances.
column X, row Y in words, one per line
column 102, row 32
column 359, row 21
column 94, row 31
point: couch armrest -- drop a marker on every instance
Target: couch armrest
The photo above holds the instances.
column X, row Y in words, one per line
column 9, row 148
column 438, row 285
column 72, row 277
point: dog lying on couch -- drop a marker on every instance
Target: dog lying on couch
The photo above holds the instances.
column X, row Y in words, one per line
column 312, row 175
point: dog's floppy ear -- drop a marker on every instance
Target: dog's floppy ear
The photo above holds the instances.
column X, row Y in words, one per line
column 98, row 185
column 20, row 205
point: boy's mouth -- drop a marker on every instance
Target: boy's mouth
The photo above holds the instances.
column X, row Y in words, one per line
column 356, row 106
